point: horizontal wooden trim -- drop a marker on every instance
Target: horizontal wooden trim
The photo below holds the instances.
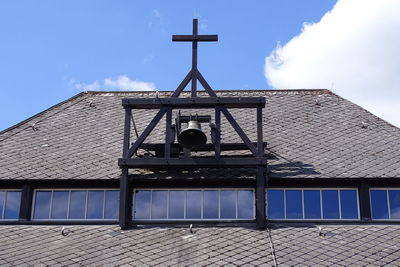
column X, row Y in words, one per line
column 194, row 102
column 193, row 162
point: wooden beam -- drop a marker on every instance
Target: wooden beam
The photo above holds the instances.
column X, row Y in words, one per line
column 181, row 86
column 127, row 131
column 260, row 198
column 217, row 132
column 260, row 143
column 125, row 200
column 146, row 132
column 194, row 102
column 206, row 147
column 167, row 150
column 198, row 38
column 365, row 202
column 209, row 162
column 26, row 203
column 205, row 84
column 239, row 131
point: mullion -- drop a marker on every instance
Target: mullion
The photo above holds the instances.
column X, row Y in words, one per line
column 4, row 204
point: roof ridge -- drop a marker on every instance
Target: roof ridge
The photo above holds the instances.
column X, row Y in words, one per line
column 320, row 90
column 38, row 115
column 367, row 111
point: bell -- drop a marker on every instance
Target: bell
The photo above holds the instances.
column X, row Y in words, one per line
column 192, row 137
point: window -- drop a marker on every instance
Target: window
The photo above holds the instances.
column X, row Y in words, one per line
column 10, row 202
column 312, row 204
column 385, row 204
column 181, row 204
column 78, row 204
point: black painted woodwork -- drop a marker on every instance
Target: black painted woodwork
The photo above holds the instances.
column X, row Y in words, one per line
column 365, row 202
column 26, row 203
column 194, row 102
column 222, row 162
column 172, row 155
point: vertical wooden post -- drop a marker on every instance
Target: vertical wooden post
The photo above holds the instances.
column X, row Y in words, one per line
column 260, row 142
column 26, row 203
column 194, row 58
column 125, row 206
column 260, row 178
column 365, row 204
column 260, row 198
column 168, row 137
column 218, row 132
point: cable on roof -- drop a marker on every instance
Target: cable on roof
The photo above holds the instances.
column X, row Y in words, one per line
column 134, row 126
column 137, row 135
column 272, row 247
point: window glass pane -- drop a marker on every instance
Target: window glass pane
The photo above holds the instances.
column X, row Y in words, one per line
column 159, row 204
column 330, row 204
column 95, row 204
column 142, row 204
column 112, row 204
column 77, row 205
column 210, row 205
column 245, row 204
column 394, row 200
column 276, row 204
column 59, row 205
column 379, row 204
column 176, row 204
column 294, row 207
column 42, row 205
column 193, row 204
column 348, row 203
column 312, row 204
column 2, row 199
column 228, row 204
column 13, row 201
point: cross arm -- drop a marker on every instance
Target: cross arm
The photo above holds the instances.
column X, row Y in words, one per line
column 199, row 38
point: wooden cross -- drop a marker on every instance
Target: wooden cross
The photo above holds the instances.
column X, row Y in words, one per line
column 194, row 38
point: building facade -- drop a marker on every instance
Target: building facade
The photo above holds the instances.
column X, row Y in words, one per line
column 330, row 192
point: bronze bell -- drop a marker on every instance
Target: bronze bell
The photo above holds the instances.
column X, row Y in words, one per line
column 192, row 137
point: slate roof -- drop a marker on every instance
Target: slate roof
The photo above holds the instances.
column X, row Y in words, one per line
column 81, row 138
column 360, row 245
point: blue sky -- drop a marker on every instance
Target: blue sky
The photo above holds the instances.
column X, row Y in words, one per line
column 52, row 50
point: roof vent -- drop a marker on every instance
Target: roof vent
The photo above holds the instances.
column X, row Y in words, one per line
column 64, row 231
column 317, row 102
column 320, row 231
column 33, row 126
column 364, row 125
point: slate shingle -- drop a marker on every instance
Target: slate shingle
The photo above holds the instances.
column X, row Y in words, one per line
column 343, row 245
column 82, row 139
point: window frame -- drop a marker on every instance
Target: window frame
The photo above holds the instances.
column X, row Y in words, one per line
column 320, row 189
column 387, row 201
column 201, row 207
column 69, row 190
column 2, row 219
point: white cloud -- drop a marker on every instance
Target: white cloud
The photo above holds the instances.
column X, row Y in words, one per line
column 94, row 86
column 121, row 83
column 354, row 48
